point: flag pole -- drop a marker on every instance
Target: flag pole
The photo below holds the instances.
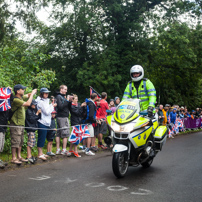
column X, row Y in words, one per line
column 95, row 91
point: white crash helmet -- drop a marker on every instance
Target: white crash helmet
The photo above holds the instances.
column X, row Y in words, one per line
column 137, row 69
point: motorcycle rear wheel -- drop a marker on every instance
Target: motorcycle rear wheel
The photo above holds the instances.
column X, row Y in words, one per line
column 119, row 164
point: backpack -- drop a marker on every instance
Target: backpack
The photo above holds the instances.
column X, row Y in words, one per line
column 10, row 112
column 84, row 113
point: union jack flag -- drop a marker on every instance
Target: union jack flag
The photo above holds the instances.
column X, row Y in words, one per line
column 5, row 102
column 94, row 91
column 180, row 124
column 168, row 119
column 78, row 134
column 171, row 131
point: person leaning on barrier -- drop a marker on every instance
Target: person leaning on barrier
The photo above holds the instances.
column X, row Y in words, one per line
column 141, row 88
column 181, row 115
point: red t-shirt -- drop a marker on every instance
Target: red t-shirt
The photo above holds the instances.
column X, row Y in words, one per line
column 103, row 107
column 98, row 113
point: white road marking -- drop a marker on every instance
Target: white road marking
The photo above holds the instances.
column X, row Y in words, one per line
column 94, row 184
column 117, row 188
column 142, row 192
column 69, row 181
column 66, row 181
column 43, row 177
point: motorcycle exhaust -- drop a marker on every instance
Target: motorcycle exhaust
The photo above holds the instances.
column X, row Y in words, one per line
column 149, row 147
column 148, row 151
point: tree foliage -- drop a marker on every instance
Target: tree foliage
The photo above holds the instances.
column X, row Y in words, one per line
column 95, row 43
column 175, row 64
column 21, row 64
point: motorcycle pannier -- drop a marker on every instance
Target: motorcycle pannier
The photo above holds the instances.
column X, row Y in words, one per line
column 160, row 137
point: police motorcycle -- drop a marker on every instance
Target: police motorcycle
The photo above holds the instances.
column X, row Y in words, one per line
column 136, row 137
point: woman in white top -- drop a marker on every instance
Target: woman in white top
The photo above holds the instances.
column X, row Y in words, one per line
column 45, row 121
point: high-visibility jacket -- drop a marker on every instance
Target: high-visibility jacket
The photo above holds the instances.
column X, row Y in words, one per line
column 165, row 117
column 146, row 93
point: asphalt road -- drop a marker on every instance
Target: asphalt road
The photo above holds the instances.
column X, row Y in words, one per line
column 175, row 175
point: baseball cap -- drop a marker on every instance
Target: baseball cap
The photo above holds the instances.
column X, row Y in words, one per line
column 33, row 102
column 44, row 90
column 54, row 112
column 18, row 87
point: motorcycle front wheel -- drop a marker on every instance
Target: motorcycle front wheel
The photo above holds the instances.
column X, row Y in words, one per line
column 120, row 164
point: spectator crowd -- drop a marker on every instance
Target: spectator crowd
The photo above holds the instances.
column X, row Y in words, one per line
column 50, row 119
column 173, row 117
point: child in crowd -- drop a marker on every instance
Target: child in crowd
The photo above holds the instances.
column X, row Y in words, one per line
column 112, row 106
column 32, row 115
column 111, row 103
column 51, row 134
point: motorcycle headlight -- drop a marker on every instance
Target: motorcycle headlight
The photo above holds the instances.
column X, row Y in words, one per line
column 117, row 135
column 122, row 128
column 124, row 136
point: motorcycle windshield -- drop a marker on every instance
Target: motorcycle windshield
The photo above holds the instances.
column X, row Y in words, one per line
column 127, row 110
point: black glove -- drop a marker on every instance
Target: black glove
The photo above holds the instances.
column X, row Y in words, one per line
column 150, row 111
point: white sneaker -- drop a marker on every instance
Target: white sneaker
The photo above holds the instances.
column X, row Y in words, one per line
column 64, row 152
column 58, row 151
column 89, row 153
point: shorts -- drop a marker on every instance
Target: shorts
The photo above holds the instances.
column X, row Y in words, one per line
column 91, row 130
column 31, row 142
column 50, row 136
column 17, row 135
column 42, row 135
column 63, row 122
column 103, row 128
column 96, row 130
column 2, row 141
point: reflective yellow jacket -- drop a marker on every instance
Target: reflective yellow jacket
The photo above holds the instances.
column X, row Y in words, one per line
column 146, row 93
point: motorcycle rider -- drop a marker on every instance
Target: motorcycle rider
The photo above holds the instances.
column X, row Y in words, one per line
column 141, row 88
